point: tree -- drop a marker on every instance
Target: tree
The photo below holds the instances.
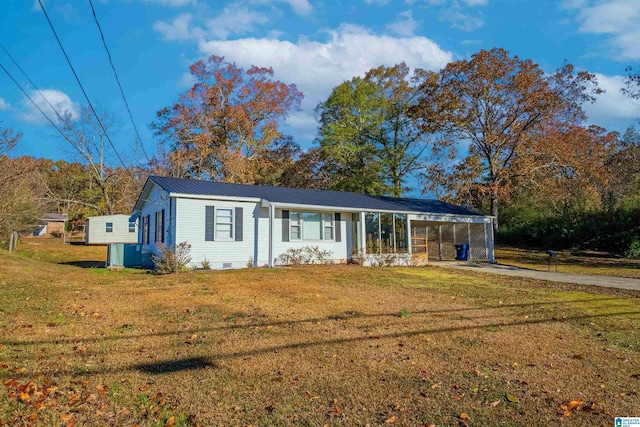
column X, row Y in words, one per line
column 368, row 139
column 495, row 103
column 227, row 123
column 105, row 188
column 632, row 83
column 20, row 194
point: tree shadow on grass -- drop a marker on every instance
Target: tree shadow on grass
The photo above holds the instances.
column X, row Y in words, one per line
column 189, row 364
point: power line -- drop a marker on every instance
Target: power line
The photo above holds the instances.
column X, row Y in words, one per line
column 81, row 87
column 104, row 43
column 31, row 82
column 33, row 102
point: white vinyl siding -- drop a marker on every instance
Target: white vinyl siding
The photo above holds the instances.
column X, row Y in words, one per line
column 107, row 229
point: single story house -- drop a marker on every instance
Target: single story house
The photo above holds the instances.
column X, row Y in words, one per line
column 235, row 225
column 52, row 225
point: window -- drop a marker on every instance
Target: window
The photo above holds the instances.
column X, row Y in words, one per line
column 224, row 224
column 132, row 226
column 311, row 226
column 145, row 229
column 296, row 231
column 109, row 227
column 160, row 226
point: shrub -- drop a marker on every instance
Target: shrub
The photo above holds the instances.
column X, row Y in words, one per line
column 171, row 261
column 205, row 264
column 305, row 255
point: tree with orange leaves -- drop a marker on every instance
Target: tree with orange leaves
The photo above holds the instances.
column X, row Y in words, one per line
column 225, row 125
column 494, row 103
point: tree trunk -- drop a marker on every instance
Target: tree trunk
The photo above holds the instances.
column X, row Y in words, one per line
column 494, row 207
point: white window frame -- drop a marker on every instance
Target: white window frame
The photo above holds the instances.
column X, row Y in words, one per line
column 233, row 225
column 324, row 225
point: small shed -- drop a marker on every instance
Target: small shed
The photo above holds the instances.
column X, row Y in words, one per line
column 108, row 229
column 124, row 255
column 51, row 225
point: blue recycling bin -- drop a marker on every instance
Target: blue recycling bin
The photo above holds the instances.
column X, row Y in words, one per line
column 462, row 252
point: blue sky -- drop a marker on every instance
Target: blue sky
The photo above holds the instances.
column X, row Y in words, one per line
column 314, row 44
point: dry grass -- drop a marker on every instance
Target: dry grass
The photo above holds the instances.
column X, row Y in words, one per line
column 308, row 346
column 591, row 263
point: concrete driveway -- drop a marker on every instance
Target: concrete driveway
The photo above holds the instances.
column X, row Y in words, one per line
column 508, row 270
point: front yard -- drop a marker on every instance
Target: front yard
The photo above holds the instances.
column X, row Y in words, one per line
column 308, row 346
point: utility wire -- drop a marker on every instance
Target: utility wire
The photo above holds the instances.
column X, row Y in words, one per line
column 104, row 43
column 82, row 87
column 32, row 101
column 31, row 83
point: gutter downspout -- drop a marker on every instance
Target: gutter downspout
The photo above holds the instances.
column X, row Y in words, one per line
column 272, row 215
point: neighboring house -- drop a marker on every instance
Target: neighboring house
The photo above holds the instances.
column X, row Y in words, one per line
column 51, row 225
column 233, row 225
column 106, row 229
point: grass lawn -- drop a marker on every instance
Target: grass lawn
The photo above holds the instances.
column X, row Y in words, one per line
column 315, row 346
column 591, row 263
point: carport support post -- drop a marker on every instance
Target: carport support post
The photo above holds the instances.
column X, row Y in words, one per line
column 469, row 239
column 440, row 242
column 492, row 255
column 363, row 234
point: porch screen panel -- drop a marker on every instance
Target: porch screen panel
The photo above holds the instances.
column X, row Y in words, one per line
column 448, row 248
column 386, row 233
column 478, row 241
column 400, row 225
column 372, row 230
column 433, row 242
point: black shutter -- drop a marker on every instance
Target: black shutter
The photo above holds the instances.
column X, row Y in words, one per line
column 285, row 226
column 238, row 230
column 209, row 226
column 337, row 228
column 155, row 228
column 147, row 227
column 162, row 226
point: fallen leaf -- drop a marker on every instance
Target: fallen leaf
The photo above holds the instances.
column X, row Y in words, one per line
column 574, row 403
column 494, row 403
column 390, row 420
column 32, row 417
column 25, row 397
column 171, row 421
column 512, row 398
column 465, row 416
column 143, row 388
column 66, row 417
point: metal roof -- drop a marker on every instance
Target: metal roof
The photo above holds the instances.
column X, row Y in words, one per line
column 300, row 196
column 54, row 217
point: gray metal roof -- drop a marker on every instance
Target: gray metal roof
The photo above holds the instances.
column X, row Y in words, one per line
column 54, row 217
column 300, row 196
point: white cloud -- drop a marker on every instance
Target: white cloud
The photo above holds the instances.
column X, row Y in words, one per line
column 316, row 67
column 612, row 106
column 234, row 19
column 404, row 25
column 172, row 3
column 301, row 7
column 58, row 99
column 475, row 2
column 4, row 105
column 460, row 20
column 619, row 19
column 178, row 29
